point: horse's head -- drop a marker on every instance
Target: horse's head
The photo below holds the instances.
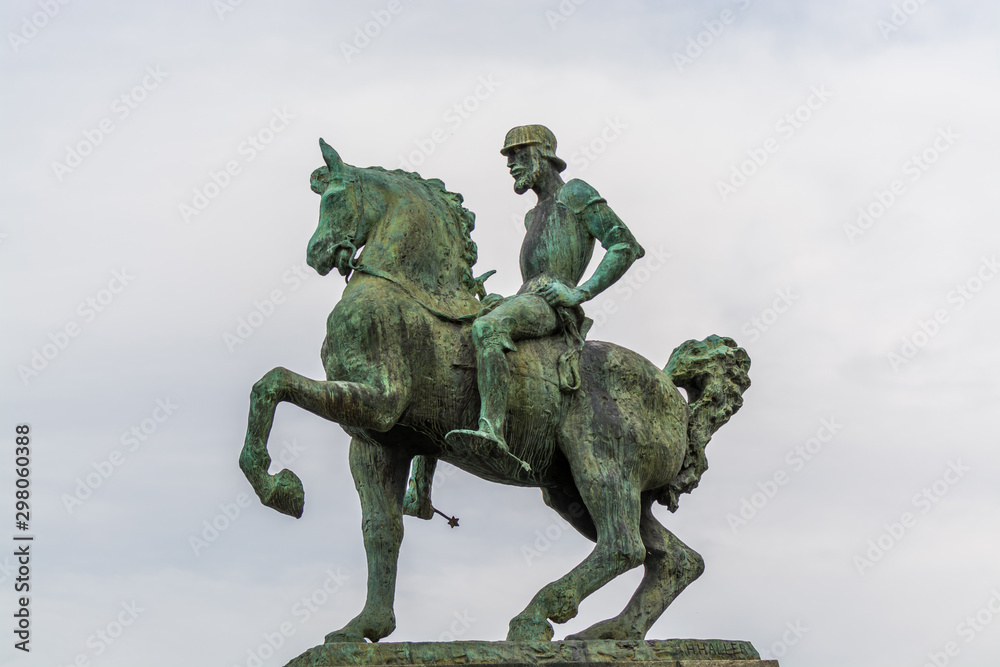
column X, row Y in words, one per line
column 346, row 214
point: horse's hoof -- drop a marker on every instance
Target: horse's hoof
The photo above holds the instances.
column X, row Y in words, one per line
column 342, row 637
column 530, row 630
column 604, row 630
column 363, row 627
column 285, row 494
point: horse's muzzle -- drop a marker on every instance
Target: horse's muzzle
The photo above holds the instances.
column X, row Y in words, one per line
column 324, row 260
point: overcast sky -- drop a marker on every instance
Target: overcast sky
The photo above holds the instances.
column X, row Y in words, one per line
column 817, row 180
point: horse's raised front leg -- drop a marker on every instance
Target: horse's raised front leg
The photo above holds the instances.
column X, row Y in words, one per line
column 380, row 477
column 347, row 403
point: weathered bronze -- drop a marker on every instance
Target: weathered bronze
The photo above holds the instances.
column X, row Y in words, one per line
column 665, row 653
column 601, row 430
column 559, row 243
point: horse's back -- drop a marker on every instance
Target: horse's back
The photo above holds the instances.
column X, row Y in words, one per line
column 628, row 410
column 624, row 405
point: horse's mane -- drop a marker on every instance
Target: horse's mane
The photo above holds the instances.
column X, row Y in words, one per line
column 453, row 201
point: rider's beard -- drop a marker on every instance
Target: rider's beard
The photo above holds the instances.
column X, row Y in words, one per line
column 526, row 179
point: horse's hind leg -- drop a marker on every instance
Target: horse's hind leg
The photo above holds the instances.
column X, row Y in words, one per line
column 569, row 505
column 380, row 477
column 670, row 566
column 613, row 503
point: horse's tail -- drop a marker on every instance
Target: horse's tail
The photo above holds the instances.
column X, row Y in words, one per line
column 714, row 373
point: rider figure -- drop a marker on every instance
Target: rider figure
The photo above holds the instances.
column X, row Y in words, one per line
column 558, row 244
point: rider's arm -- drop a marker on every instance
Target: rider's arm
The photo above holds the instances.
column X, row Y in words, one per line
column 622, row 248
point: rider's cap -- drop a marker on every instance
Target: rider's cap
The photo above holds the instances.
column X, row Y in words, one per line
column 533, row 134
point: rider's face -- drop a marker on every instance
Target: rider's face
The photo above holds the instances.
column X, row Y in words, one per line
column 525, row 165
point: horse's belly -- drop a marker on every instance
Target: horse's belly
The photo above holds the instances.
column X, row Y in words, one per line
column 446, row 396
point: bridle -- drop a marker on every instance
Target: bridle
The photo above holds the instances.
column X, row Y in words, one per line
column 348, row 242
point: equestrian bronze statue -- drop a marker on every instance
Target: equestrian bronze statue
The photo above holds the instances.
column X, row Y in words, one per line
column 423, row 365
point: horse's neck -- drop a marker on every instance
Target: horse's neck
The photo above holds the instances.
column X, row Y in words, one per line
column 419, row 246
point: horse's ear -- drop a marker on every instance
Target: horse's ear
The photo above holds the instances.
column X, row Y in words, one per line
column 330, row 156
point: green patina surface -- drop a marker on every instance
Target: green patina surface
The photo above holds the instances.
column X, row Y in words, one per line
column 665, row 653
column 423, row 365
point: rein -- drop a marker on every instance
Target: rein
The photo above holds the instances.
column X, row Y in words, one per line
column 368, row 271
column 568, row 366
column 357, row 267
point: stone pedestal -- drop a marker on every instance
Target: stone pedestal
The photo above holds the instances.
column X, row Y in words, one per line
column 596, row 653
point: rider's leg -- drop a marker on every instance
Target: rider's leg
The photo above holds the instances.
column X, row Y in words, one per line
column 492, row 340
column 520, row 317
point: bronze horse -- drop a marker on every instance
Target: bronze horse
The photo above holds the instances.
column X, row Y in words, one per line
column 400, row 374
